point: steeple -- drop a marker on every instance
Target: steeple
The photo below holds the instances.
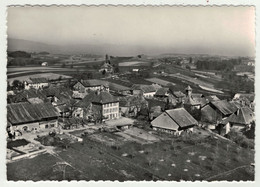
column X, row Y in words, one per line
column 188, row 91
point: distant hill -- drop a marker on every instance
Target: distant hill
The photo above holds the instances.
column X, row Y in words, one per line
column 29, row 46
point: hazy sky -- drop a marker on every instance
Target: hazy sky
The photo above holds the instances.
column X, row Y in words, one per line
column 214, row 30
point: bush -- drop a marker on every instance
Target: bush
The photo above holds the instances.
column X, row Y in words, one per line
column 240, row 139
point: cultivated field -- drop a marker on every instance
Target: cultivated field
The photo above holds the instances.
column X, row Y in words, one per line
column 127, row 156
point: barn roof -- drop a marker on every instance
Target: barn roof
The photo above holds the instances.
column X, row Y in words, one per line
column 164, row 121
column 18, row 113
column 181, row 117
column 243, row 116
column 224, row 107
column 159, row 81
column 174, row 119
column 86, row 101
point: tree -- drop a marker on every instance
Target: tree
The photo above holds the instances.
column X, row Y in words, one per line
column 17, row 85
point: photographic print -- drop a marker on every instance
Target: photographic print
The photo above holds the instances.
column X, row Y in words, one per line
column 130, row 93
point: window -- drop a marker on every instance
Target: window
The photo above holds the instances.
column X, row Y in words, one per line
column 46, row 126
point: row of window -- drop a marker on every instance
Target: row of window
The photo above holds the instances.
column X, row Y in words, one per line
column 111, row 116
column 110, row 105
column 110, row 110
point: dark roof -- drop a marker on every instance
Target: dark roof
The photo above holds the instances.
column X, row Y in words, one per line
column 179, row 94
column 243, row 116
column 27, row 94
column 86, row 101
column 181, row 117
column 93, row 82
column 224, row 107
column 19, row 113
column 104, row 97
column 162, row 91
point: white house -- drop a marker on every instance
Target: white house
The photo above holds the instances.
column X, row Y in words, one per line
column 36, row 83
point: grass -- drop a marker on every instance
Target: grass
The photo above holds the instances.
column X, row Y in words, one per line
column 99, row 161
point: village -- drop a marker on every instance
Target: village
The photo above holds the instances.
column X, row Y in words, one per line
column 128, row 114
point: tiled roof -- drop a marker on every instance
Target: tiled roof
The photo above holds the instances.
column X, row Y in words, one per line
column 243, row 116
column 174, row 119
column 161, row 91
column 224, row 107
column 18, row 113
column 181, row 117
column 104, row 97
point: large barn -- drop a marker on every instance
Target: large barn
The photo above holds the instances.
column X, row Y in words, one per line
column 25, row 117
column 174, row 121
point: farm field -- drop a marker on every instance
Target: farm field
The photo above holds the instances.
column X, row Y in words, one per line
column 104, row 156
column 134, row 63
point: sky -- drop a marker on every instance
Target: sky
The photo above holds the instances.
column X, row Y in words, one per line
column 151, row 30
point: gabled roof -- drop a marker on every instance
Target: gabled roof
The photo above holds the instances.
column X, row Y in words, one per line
column 179, row 94
column 103, row 98
column 19, row 113
column 162, row 91
column 243, row 116
column 181, row 117
column 165, row 121
column 224, row 107
column 93, row 82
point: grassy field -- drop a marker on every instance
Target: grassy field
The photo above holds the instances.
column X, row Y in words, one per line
column 196, row 157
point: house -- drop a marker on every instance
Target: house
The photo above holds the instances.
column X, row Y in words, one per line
column 99, row 105
column 147, row 91
column 245, row 99
column 241, row 118
column 215, row 111
column 36, row 83
column 174, row 121
column 44, row 64
column 179, row 96
column 26, row 95
column 83, row 86
column 24, row 117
